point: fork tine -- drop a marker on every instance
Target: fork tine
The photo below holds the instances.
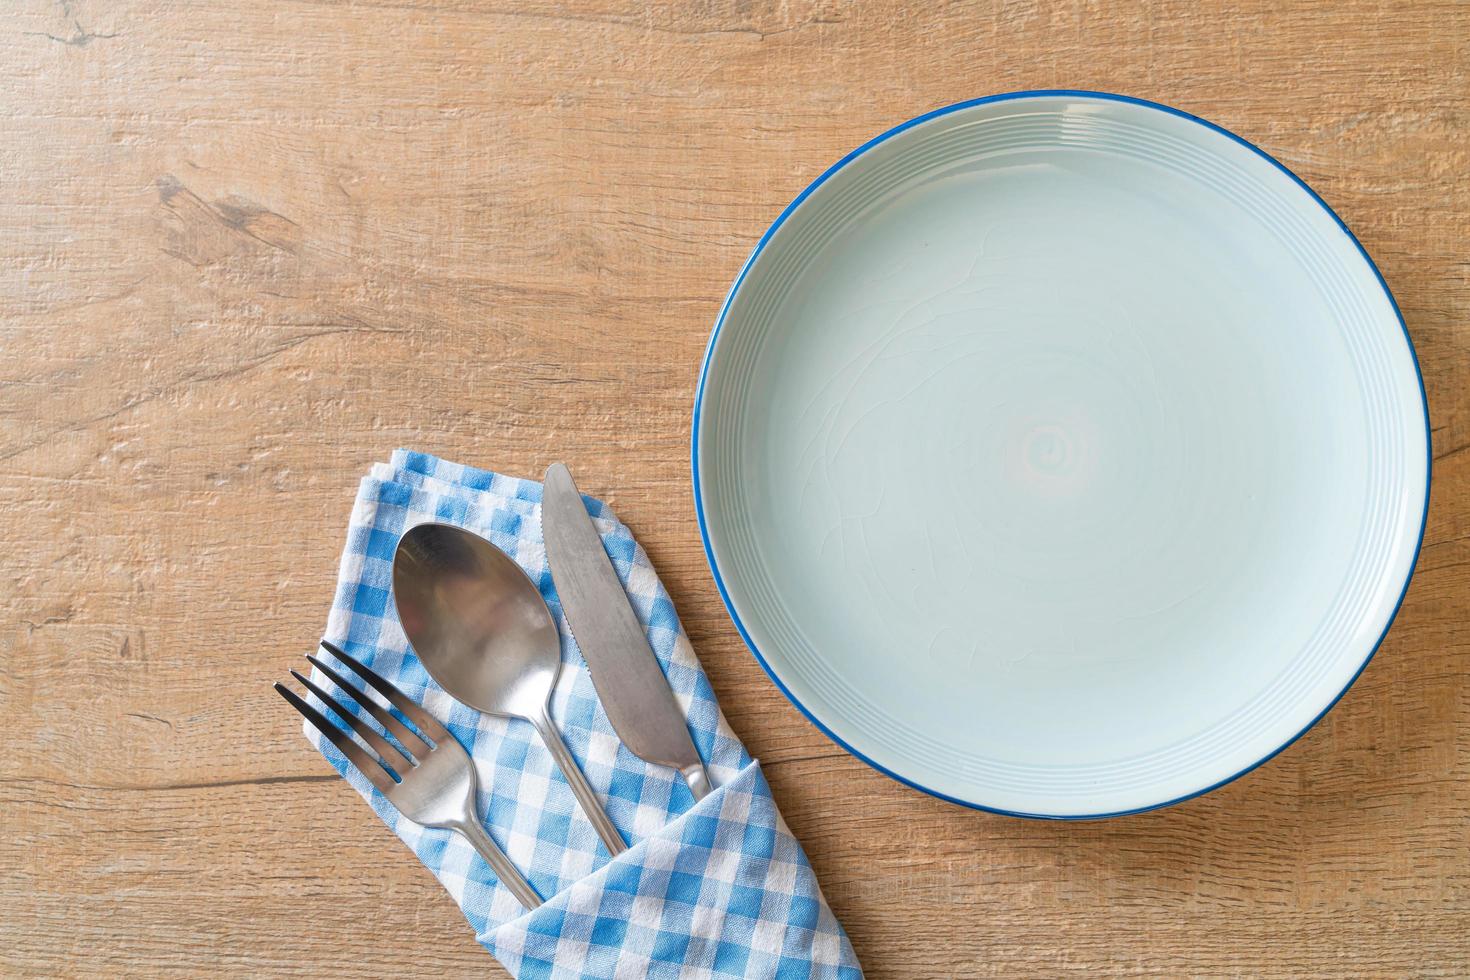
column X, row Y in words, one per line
column 425, row 721
column 389, row 755
column 365, row 763
column 417, row 747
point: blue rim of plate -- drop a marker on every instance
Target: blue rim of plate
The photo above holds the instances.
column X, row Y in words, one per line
column 884, row 137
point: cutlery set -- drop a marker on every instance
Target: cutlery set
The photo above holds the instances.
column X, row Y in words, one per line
column 481, row 629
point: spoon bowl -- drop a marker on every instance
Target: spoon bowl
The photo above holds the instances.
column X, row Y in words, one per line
column 481, row 629
column 476, row 620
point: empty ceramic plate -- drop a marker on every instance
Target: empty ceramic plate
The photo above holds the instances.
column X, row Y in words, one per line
column 1061, row 454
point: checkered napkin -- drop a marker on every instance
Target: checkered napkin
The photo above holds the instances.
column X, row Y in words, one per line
column 718, row 888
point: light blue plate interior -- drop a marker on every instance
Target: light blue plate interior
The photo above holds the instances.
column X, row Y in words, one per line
column 1061, row 454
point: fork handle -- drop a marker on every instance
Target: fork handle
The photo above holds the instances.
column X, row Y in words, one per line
column 499, row 863
column 581, row 789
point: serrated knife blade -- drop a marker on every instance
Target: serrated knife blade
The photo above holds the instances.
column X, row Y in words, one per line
column 629, row 682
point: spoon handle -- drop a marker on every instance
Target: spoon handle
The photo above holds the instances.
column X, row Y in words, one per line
column 591, row 806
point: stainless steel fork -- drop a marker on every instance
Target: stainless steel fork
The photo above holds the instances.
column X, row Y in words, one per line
column 433, row 782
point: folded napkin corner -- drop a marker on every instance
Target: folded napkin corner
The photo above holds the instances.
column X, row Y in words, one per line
column 723, row 889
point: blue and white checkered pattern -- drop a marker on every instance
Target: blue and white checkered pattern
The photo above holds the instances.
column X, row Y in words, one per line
column 716, row 889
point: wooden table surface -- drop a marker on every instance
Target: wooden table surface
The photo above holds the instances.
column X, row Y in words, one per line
column 247, row 249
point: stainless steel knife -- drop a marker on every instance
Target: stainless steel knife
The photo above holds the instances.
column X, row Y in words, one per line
column 631, row 685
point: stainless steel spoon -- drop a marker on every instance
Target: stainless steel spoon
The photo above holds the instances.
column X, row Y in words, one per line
column 483, row 632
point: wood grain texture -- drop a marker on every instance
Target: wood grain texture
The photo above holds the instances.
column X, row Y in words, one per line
column 247, row 249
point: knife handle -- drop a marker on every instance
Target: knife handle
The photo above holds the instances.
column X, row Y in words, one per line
column 698, row 779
